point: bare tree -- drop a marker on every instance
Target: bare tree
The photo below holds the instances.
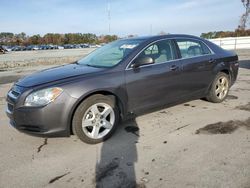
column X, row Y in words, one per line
column 245, row 16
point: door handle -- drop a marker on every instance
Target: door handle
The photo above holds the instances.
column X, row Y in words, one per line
column 174, row 67
column 211, row 60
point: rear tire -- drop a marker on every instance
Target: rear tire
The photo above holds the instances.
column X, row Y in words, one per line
column 95, row 119
column 219, row 88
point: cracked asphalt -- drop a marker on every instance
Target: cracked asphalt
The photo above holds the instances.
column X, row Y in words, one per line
column 194, row 144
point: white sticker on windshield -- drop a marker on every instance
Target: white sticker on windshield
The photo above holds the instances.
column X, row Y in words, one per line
column 128, row 46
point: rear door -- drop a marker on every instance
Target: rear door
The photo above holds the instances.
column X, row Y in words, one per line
column 197, row 61
column 154, row 84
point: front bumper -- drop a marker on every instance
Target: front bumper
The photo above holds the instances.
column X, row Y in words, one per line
column 52, row 120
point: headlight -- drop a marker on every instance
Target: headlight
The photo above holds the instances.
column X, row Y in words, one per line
column 42, row 97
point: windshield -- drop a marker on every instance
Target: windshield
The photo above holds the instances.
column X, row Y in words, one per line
column 110, row 54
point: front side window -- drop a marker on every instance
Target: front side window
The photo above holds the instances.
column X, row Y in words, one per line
column 153, row 49
column 191, row 48
column 160, row 52
column 110, row 54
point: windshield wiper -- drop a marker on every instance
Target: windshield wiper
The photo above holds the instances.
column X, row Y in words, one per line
column 89, row 65
column 96, row 66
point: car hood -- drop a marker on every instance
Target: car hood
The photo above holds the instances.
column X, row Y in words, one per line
column 56, row 74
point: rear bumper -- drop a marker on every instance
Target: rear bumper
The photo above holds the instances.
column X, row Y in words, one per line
column 52, row 120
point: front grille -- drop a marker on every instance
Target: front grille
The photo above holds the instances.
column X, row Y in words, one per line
column 14, row 93
column 13, row 96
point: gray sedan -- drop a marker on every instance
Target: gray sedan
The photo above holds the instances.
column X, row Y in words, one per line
column 119, row 80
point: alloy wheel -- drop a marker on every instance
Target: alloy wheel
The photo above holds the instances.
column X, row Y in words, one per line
column 222, row 87
column 98, row 120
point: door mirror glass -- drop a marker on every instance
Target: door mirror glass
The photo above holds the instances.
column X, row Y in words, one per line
column 142, row 61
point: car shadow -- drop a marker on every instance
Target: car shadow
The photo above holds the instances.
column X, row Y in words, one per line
column 117, row 158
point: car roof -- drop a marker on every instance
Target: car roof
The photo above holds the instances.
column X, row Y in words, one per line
column 157, row 37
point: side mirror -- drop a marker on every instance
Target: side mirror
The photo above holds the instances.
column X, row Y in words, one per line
column 139, row 61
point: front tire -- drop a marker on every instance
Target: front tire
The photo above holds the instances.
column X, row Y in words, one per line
column 219, row 88
column 95, row 119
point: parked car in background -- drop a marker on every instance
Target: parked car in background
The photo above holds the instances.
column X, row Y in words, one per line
column 29, row 47
column 60, row 47
column 7, row 48
column 18, row 48
column 42, row 47
column 92, row 46
column 76, row 45
column 128, row 76
column 35, row 47
column 68, row 46
column 2, row 50
column 47, row 47
column 32, row 47
column 85, row 45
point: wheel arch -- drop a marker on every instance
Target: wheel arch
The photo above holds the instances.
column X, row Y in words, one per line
column 223, row 67
column 227, row 71
column 217, row 69
column 120, row 104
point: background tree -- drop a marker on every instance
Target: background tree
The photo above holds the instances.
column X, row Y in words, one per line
column 7, row 38
column 245, row 15
column 222, row 34
column 107, row 38
column 35, row 39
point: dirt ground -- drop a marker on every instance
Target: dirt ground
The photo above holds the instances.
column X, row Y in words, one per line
column 24, row 59
column 195, row 144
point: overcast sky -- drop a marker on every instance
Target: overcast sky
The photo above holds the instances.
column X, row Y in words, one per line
column 127, row 16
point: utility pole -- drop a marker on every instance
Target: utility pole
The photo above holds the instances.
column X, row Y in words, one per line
column 109, row 17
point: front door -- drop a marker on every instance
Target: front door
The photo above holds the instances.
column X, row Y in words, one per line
column 154, row 84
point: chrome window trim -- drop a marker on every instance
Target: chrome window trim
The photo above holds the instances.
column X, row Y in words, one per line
column 188, row 38
column 156, row 64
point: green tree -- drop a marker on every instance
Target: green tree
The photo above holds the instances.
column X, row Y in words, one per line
column 107, row 38
column 35, row 39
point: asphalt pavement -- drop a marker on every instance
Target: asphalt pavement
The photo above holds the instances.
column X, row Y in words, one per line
column 194, row 144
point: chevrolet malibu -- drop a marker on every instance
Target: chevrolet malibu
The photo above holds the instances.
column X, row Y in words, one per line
column 90, row 97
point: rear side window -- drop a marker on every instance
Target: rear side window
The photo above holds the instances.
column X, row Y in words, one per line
column 205, row 49
column 191, row 48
